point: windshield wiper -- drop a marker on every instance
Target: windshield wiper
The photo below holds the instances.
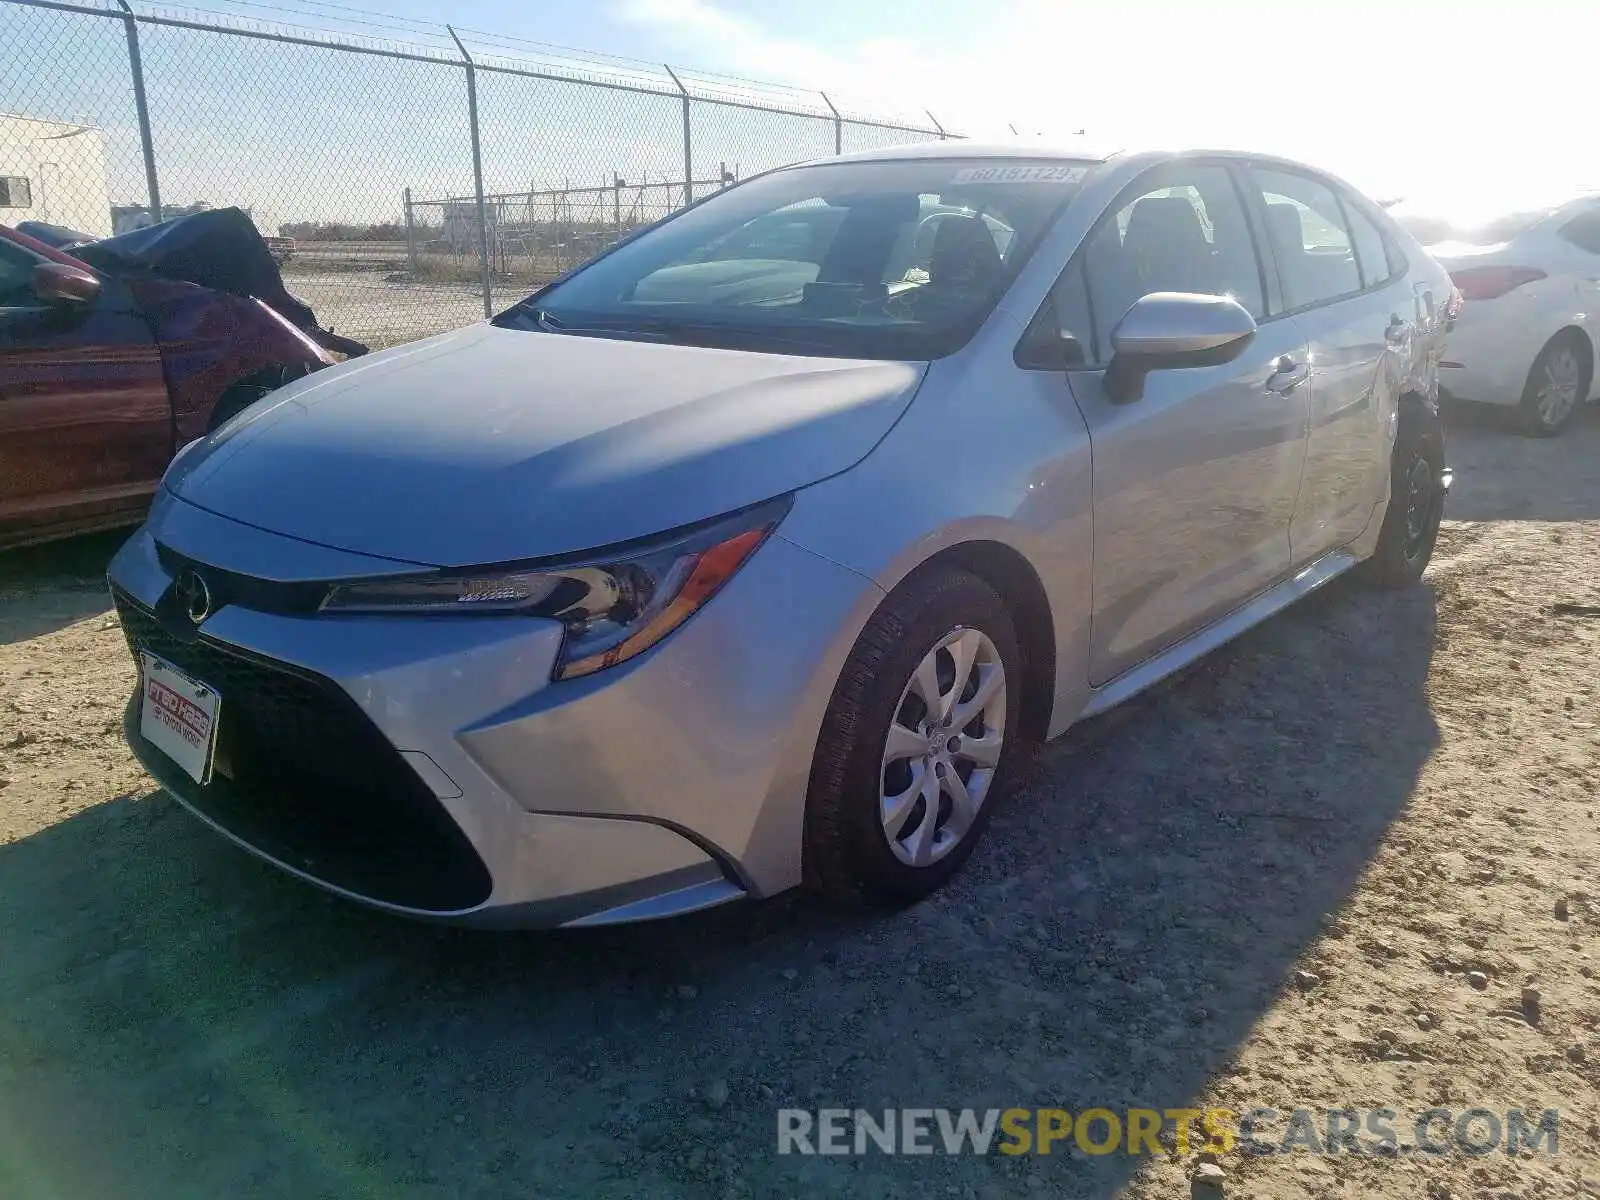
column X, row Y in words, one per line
column 692, row 333
column 665, row 329
column 543, row 318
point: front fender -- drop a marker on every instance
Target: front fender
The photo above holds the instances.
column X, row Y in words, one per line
column 210, row 340
column 985, row 453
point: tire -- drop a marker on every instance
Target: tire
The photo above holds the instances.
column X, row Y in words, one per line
column 849, row 853
column 1416, row 503
column 1558, row 383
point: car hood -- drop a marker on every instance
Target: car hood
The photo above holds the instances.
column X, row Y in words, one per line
column 489, row 445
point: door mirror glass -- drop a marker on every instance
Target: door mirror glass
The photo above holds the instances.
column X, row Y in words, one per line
column 1167, row 330
column 61, row 285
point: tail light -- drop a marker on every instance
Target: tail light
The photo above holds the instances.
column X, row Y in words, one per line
column 1487, row 283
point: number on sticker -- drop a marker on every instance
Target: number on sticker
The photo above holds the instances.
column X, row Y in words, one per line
column 1016, row 173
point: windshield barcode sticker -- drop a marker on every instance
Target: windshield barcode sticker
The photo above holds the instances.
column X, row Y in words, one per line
column 1041, row 173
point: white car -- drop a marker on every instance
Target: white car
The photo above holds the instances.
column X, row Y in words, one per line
column 1527, row 332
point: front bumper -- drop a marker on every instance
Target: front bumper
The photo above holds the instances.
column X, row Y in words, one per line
column 427, row 766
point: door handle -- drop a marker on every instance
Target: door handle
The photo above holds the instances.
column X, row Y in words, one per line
column 1396, row 331
column 1287, row 374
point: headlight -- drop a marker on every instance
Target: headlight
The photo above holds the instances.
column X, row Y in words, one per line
column 614, row 606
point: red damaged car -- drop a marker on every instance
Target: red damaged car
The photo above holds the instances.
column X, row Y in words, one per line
column 115, row 353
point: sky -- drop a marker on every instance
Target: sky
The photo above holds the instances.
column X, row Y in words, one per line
column 1399, row 95
column 1442, row 100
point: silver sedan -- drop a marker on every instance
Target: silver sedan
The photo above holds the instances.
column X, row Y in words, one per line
column 756, row 552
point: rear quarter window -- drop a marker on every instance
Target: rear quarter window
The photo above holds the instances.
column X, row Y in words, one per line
column 1372, row 251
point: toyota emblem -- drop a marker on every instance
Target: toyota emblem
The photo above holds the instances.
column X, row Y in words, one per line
column 192, row 592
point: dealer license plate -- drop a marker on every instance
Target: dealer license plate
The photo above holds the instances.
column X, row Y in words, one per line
column 178, row 716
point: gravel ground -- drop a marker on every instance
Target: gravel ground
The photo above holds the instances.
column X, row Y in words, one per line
column 1266, row 883
column 368, row 307
column 381, row 311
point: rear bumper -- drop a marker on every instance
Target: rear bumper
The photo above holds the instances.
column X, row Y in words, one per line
column 1489, row 352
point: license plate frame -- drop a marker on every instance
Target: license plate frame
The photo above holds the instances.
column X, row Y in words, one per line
column 179, row 715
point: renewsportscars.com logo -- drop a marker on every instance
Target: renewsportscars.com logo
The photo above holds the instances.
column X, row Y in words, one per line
column 1257, row 1131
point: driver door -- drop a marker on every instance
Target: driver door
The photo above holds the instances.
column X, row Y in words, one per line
column 1195, row 482
column 85, row 424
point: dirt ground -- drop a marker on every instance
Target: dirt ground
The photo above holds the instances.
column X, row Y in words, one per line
column 1265, row 884
column 371, row 308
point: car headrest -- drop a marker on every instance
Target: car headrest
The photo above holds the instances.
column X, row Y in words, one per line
column 1288, row 231
column 964, row 254
column 1167, row 222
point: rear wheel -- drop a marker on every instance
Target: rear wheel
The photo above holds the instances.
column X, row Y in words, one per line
column 1416, row 504
column 233, row 402
column 247, row 391
column 918, row 737
column 1557, row 383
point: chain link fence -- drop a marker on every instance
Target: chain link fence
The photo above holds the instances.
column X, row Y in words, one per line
column 409, row 188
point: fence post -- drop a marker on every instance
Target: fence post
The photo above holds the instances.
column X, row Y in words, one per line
column 838, row 125
column 942, row 134
column 411, row 237
column 477, row 169
column 688, row 144
column 141, row 110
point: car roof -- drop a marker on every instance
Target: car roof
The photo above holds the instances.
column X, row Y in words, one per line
column 1079, row 150
column 18, row 238
column 1070, row 150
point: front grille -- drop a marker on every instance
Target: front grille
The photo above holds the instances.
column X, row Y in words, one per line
column 229, row 587
column 304, row 776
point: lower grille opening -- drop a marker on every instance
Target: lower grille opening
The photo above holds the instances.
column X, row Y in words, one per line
column 304, row 776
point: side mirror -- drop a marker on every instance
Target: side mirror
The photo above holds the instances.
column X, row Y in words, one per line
column 58, row 284
column 1168, row 330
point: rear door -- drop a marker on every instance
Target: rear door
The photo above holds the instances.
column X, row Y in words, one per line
column 1359, row 318
column 1194, row 483
column 85, row 426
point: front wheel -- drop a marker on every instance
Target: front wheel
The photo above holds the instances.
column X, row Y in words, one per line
column 1416, row 504
column 919, row 733
column 1557, row 383
column 247, row 391
column 233, row 402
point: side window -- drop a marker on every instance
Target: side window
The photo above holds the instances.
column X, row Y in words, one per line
column 15, row 192
column 1316, row 262
column 1583, row 231
column 16, row 277
column 1397, row 259
column 799, row 233
column 1371, row 255
column 1070, row 301
column 1184, row 231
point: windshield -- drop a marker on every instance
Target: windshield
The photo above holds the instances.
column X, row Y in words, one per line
column 866, row 259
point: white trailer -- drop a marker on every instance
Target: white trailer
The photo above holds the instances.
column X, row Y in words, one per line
column 53, row 171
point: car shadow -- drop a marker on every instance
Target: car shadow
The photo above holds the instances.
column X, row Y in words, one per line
column 45, row 588
column 178, row 1019
column 1504, row 475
